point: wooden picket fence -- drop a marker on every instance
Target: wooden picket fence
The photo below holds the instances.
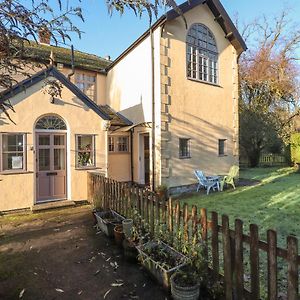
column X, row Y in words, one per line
column 225, row 245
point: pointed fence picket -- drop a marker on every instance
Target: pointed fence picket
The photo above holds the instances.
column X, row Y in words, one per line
column 221, row 241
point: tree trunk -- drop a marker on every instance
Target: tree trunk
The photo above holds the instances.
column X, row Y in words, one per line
column 254, row 158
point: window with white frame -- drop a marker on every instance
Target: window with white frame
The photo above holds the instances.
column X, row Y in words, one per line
column 85, row 151
column 222, row 147
column 184, row 148
column 118, row 144
column 202, row 54
column 86, row 83
column 13, row 152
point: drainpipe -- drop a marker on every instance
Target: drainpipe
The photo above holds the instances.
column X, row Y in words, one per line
column 131, row 153
column 72, row 63
column 153, row 108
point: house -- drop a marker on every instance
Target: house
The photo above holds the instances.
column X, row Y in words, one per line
column 166, row 106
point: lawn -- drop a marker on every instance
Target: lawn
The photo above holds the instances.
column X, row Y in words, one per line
column 273, row 203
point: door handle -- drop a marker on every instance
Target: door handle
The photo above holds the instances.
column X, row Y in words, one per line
column 51, row 173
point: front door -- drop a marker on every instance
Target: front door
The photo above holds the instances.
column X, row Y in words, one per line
column 51, row 166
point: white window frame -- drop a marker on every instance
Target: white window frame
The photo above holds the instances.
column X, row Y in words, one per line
column 116, row 144
column 24, row 165
column 93, row 152
column 202, row 49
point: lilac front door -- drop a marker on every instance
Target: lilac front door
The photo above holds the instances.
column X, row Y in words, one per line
column 51, row 166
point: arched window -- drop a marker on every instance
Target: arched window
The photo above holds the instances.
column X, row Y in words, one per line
column 202, row 54
column 51, row 122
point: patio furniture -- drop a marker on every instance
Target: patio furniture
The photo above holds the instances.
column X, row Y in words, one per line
column 229, row 179
column 210, row 182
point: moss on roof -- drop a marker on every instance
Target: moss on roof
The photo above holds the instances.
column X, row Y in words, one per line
column 41, row 53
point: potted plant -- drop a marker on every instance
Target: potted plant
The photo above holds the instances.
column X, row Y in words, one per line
column 161, row 260
column 119, row 235
column 162, row 192
column 185, row 284
column 107, row 220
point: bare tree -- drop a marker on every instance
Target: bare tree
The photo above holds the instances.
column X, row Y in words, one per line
column 269, row 83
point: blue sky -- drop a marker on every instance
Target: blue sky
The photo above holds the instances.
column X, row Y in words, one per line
column 110, row 35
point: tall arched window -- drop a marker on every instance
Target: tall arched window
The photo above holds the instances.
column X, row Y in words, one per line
column 202, row 54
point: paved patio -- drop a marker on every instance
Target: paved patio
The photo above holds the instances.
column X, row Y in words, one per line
column 58, row 255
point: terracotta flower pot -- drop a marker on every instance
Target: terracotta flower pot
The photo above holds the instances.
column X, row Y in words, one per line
column 119, row 235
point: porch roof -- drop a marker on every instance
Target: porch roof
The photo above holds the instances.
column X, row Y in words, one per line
column 128, row 128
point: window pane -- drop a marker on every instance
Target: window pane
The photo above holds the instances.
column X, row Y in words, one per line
column 85, row 142
column 44, row 140
column 184, row 148
column 44, row 159
column 85, row 151
column 59, row 140
column 12, row 142
column 59, row 159
column 222, row 144
column 85, row 159
column 111, row 146
column 123, row 144
column 12, row 161
column 202, row 54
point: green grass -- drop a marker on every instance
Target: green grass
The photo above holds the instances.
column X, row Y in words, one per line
column 274, row 203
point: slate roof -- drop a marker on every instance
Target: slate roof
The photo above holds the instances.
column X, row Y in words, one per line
column 117, row 119
column 106, row 113
column 41, row 53
column 219, row 13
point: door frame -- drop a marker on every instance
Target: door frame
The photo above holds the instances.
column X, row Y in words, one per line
column 141, row 157
column 35, row 141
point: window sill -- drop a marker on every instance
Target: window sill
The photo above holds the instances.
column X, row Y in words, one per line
column 118, row 152
column 205, row 82
column 185, row 157
column 86, row 168
column 222, row 155
column 15, row 172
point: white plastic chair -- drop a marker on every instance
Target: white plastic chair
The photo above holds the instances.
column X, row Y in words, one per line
column 205, row 182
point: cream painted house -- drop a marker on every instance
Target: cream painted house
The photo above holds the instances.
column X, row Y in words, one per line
column 166, row 106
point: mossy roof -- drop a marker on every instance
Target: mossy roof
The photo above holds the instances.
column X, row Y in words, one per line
column 41, row 53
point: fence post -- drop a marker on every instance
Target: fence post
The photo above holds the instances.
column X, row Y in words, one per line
column 272, row 264
column 292, row 256
column 215, row 244
column 185, row 223
column 152, row 214
column 194, row 225
column 254, row 262
column 90, row 191
column 227, row 257
column 239, row 269
column 170, row 216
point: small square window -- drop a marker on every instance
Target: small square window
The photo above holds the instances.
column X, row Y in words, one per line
column 118, row 144
column 222, row 147
column 85, row 151
column 184, row 148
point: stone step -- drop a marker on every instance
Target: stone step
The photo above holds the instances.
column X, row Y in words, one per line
column 52, row 205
